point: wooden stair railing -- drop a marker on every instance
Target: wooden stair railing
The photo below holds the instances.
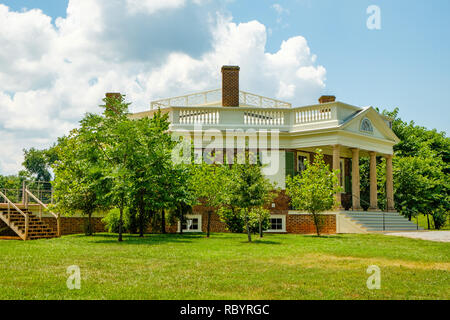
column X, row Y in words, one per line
column 24, row 236
column 28, row 193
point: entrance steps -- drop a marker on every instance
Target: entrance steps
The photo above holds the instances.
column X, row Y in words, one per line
column 380, row 221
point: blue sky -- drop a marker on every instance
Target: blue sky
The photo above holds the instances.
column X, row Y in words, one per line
column 406, row 64
column 153, row 48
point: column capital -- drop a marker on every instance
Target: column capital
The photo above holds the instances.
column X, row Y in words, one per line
column 373, row 153
column 388, row 156
column 355, row 150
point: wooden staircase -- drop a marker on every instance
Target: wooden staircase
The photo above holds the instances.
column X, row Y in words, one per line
column 36, row 228
column 23, row 222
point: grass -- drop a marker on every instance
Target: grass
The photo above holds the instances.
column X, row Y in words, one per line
column 225, row 267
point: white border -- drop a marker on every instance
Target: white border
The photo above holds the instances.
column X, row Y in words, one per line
column 283, row 222
column 192, row 216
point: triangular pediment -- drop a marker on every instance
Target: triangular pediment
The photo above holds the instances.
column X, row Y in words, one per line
column 370, row 123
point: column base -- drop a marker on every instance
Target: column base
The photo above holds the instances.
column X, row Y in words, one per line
column 374, row 210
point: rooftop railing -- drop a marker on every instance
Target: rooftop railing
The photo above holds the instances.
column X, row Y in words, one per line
column 214, row 98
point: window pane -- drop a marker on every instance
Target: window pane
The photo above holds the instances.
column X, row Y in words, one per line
column 276, row 224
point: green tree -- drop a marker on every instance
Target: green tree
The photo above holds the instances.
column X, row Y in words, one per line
column 421, row 171
column 80, row 184
column 314, row 190
column 250, row 191
column 38, row 163
column 155, row 179
column 208, row 182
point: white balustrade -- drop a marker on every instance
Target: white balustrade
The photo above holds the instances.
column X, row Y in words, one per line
column 313, row 114
column 265, row 118
column 194, row 116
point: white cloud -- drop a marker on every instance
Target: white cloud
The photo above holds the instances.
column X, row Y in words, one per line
column 50, row 75
column 280, row 12
column 151, row 6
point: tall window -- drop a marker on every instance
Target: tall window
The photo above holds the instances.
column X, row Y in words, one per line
column 290, row 163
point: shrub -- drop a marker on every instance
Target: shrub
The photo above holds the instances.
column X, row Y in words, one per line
column 111, row 221
column 234, row 221
column 256, row 215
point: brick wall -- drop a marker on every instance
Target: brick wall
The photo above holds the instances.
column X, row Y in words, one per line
column 74, row 225
column 304, row 224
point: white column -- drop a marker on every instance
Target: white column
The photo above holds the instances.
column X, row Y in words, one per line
column 355, row 180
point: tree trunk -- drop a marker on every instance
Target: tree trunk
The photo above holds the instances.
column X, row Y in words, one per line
column 87, row 224
column 141, row 223
column 90, row 232
column 163, row 221
column 120, row 222
column 249, row 235
column 208, row 226
column 317, row 223
column 260, row 228
column 428, row 221
column 181, row 220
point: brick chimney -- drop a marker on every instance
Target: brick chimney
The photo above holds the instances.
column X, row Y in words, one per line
column 116, row 95
column 326, row 99
column 230, row 86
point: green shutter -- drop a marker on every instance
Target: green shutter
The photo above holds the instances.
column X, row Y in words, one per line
column 290, row 159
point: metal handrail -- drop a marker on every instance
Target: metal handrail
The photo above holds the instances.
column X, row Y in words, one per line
column 10, row 203
column 42, row 205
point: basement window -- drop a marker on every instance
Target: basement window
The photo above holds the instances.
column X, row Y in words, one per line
column 191, row 223
column 277, row 223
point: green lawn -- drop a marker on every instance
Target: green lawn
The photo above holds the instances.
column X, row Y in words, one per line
column 225, row 267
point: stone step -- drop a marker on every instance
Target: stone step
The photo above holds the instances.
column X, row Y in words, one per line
column 374, row 221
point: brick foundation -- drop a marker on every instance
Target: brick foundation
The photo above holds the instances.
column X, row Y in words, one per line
column 304, row 224
column 295, row 223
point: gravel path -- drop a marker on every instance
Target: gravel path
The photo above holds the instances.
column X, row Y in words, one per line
column 442, row 236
